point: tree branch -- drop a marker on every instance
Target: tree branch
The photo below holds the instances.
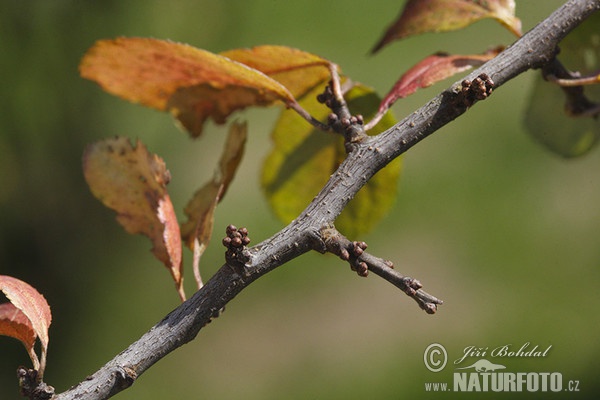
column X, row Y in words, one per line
column 367, row 157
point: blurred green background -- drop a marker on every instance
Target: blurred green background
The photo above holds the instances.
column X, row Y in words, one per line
column 504, row 232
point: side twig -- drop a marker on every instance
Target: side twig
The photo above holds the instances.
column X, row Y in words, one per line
column 362, row 262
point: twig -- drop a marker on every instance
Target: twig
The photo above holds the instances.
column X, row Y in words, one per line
column 306, row 115
column 340, row 119
column 577, row 104
column 362, row 262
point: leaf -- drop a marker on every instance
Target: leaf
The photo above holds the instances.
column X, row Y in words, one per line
column 547, row 122
column 14, row 323
column 297, row 70
column 420, row 16
column 196, row 232
column 191, row 83
column 132, row 181
column 433, row 69
column 35, row 308
column 303, row 159
column 550, row 118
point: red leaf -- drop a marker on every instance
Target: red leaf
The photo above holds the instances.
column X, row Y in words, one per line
column 133, row 182
column 34, row 306
column 431, row 70
column 420, row 16
column 14, row 323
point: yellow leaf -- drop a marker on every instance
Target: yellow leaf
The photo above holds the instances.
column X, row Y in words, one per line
column 297, row 70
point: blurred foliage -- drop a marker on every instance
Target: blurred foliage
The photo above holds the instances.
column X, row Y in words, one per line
column 547, row 118
column 506, row 234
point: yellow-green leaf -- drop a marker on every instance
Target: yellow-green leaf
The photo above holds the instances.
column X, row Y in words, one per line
column 303, row 158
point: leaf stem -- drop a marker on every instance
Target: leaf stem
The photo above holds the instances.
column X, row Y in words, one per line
column 294, row 105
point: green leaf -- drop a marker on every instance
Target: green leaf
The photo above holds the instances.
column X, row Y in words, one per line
column 547, row 121
column 303, row 158
column 546, row 118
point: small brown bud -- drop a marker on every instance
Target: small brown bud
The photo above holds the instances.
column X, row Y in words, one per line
column 344, row 255
column 362, row 269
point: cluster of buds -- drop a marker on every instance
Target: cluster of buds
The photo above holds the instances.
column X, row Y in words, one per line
column 236, row 242
column 479, row 89
column 411, row 285
column 352, row 255
column 327, row 97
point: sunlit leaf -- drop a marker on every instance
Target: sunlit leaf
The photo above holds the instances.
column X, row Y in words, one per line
column 35, row 308
column 132, row 181
column 191, row 83
column 303, row 159
column 297, row 70
column 420, row 16
column 550, row 117
column 433, row 69
column 196, row 232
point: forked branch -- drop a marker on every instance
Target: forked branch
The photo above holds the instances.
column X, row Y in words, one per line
column 368, row 156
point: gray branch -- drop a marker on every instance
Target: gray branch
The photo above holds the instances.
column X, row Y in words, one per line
column 182, row 325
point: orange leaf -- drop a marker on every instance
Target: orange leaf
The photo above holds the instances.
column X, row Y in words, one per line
column 196, row 232
column 14, row 323
column 132, row 181
column 191, row 83
column 34, row 306
column 295, row 69
column 433, row 69
column 420, row 16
